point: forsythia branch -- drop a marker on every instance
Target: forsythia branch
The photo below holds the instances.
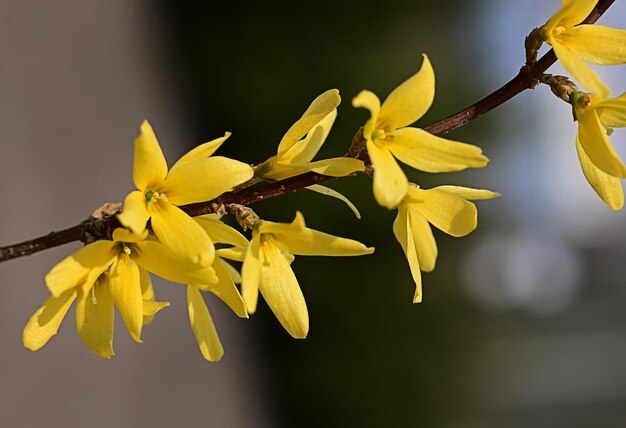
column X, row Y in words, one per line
column 95, row 228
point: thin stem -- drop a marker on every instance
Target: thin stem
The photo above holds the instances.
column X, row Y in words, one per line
column 92, row 228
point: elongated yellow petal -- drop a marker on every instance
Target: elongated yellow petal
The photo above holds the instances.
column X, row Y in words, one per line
column 279, row 171
column 310, row 242
column 181, row 234
column 149, row 167
column 469, row 193
column 596, row 44
column 572, row 13
column 125, row 288
column 401, row 230
column 336, row 167
column 46, row 321
column 305, row 150
column 612, row 112
column 203, row 180
column 94, row 319
column 203, row 151
column 202, row 326
column 124, row 235
column 390, row 183
column 73, row 270
column 135, row 215
column 318, row 188
column 233, row 273
column 409, row 101
column 594, row 140
column 580, row 71
column 369, row 100
column 609, row 188
column 151, row 308
column 424, row 241
column 319, row 108
column 251, row 274
column 426, row 152
column 158, row 259
column 221, row 233
column 147, row 293
column 446, row 211
column 234, row 253
column 280, row 289
column 225, row 289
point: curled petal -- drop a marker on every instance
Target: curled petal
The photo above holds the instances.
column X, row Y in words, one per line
column 426, row 152
column 612, row 112
column 593, row 139
column 225, row 289
column 125, row 288
column 135, row 215
column 46, row 321
column 446, row 211
column 202, row 326
column 305, row 150
column 609, row 188
column 94, row 319
column 369, row 100
column 402, row 232
column 335, row 194
column 251, row 274
column 390, row 183
column 336, row 167
column 149, row 166
column 409, row 101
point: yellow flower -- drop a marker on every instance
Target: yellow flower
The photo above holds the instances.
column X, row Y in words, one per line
column 601, row 165
column 196, row 177
column 266, row 268
column 574, row 43
column 387, row 136
column 445, row 207
column 304, row 139
column 199, row 316
column 102, row 274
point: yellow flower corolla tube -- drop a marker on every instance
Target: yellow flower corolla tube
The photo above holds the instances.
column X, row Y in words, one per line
column 196, row 177
column 600, row 163
column 267, row 268
column 445, row 207
column 199, row 316
column 107, row 273
column 304, row 139
column 573, row 44
column 388, row 138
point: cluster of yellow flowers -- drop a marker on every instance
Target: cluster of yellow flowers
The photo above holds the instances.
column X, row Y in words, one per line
column 596, row 114
column 158, row 237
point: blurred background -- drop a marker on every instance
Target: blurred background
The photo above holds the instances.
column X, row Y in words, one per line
column 523, row 321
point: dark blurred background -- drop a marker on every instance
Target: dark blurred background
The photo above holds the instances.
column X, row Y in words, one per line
column 522, row 322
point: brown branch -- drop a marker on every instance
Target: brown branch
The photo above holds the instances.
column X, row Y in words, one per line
column 93, row 228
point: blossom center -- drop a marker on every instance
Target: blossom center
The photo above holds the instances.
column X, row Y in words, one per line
column 378, row 135
column 152, row 197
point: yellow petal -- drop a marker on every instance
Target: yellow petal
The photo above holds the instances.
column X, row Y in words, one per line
column 305, row 150
column 390, row 183
column 126, row 291
column 203, row 151
column 278, row 171
column 572, row 13
column 181, row 234
column 225, row 289
column 158, row 259
column 612, row 112
column 150, row 308
column 401, row 230
column 147, row 293
column 596, row 44
column 409, row 101
column 310, row 242
column 124, row 235
column 594, row 140
column 446, row 211
column 609, row 188
column 94, row 319
column 580, row 71
column 234, row 253
column 149, row 167
column 426, row 152
column 335, row 194
column 251, row 274
column 221, row 233
column 46, row 321
column 336, row 167
column 469, row 193
column 233, row 273
column 202, row 326
column 73, row 270
column 203, row 180
column 319, row 108
column 369, row 100
column 135, row 215
column 279, row 287
column 425, row 244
